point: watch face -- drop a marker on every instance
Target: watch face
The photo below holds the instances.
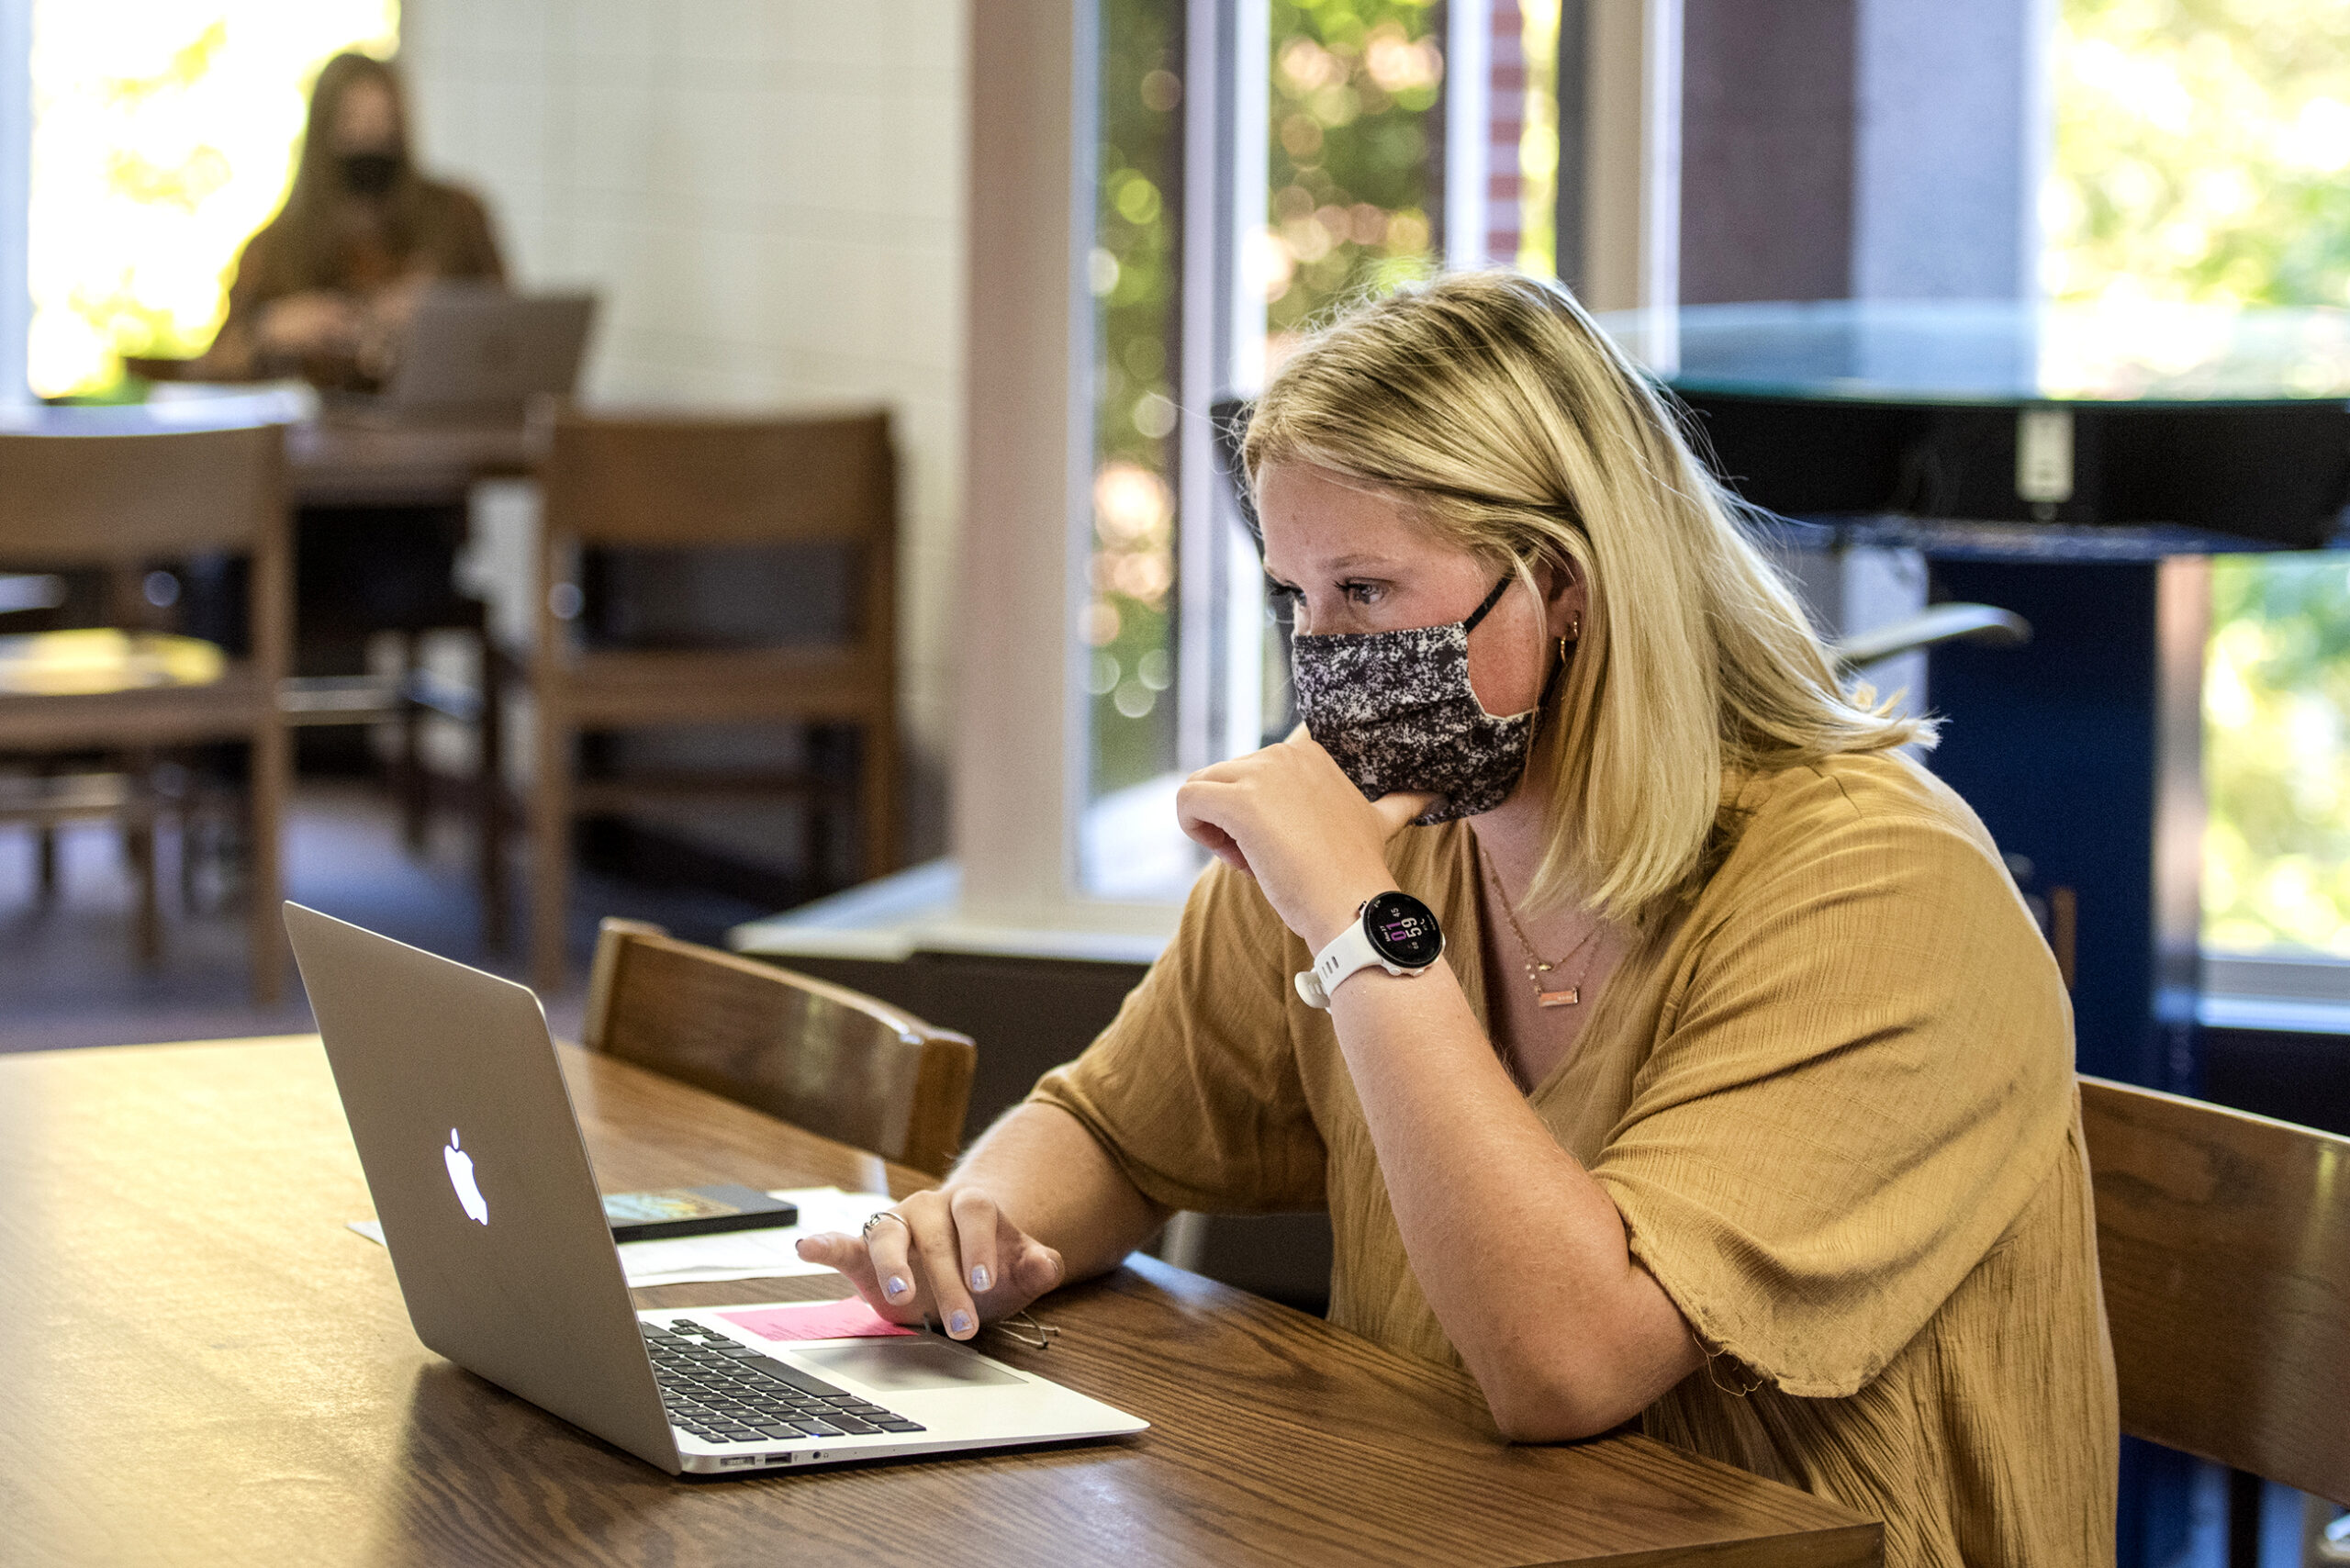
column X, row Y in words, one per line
column 1402, row 931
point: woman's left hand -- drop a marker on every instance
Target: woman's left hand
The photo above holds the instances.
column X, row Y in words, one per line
column 1290, row 818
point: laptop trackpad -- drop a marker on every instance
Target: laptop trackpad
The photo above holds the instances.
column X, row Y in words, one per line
column 906, row 1363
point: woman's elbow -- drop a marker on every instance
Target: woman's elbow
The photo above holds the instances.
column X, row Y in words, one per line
column 1559, row 1409
column 1546, row 1384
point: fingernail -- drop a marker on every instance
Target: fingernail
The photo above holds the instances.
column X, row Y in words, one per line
column 980, row 1277
column 897, row 1285
column 961, row 1323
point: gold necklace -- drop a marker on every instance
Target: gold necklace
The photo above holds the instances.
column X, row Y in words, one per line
column 1544, row 996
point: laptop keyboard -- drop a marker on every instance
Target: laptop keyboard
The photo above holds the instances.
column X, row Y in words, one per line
column 724, row 1392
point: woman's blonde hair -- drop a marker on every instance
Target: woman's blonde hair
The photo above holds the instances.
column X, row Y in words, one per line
column 1491, row 406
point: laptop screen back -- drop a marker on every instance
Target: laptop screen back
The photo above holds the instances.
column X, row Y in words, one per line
column 481, row 1181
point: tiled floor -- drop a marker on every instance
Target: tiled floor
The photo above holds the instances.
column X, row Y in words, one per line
column 69, row 977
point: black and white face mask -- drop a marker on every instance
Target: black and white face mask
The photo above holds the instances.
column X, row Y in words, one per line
column 1396, row 711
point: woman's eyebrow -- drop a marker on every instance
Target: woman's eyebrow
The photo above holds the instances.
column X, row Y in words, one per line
column 1334, row 566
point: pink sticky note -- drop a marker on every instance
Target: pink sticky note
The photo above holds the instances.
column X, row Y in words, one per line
column 848, row 1318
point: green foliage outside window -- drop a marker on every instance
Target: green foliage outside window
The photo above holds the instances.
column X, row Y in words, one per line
column 2203, row 151
column 2203, row 154
column 2277, row 754
column 163, row 134
column 1354, row 118
column 1129, row 621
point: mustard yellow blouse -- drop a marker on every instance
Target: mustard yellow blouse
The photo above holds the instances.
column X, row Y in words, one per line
column 1833, row 1099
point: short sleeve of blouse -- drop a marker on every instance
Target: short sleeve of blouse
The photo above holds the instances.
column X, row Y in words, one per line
column 1864, row 1074
column 1193, row 1089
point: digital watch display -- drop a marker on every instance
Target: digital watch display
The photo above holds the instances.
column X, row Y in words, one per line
column 1402, row 931
column 1393, row 931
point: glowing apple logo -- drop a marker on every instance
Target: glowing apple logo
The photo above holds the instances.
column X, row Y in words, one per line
column 461, row 1176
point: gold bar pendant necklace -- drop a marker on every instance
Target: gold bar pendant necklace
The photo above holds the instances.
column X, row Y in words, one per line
column 1567, row 995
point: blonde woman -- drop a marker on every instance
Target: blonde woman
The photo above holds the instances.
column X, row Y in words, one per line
column 1664, row 1046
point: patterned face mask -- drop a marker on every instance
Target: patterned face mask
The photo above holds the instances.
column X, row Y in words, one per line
column 1396, row 711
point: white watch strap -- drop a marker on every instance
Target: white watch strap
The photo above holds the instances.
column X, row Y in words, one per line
column 1348, row 951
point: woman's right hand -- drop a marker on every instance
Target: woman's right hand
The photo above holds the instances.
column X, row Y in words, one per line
column 948, row 1255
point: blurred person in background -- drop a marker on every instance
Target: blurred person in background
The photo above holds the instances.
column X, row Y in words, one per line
column 324, row 291
column 326, row 286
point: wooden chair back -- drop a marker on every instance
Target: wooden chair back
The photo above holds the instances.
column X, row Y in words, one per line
column 105, row 500
column 624, row 480
column 126, row 502
column 2223, row 1239
column 635, row 482
column 123, row 503
column 820, row 1057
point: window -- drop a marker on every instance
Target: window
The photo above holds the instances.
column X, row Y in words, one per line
column 1179, row 168
column 1128, row 621
column 1331, row 195
column 2203, row 154
column 1355, row 156
column 164, row 135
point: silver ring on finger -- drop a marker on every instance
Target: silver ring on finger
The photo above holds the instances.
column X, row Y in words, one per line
column 873, row 1219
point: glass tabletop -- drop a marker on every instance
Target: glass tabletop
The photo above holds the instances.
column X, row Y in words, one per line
column 1994, row 352
column 169, row 405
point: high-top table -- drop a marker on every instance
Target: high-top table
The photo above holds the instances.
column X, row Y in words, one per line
column 209, row 1368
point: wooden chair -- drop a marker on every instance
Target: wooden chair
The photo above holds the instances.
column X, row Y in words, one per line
column 820, row 1057
column 2224, row 1243
column 642, row 483
column 122, row 504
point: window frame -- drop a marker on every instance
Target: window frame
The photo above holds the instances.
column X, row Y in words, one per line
column 1020, row 777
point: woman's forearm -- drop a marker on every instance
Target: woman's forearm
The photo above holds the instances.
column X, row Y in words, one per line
column 1522, row 1255
column 1054, row 1182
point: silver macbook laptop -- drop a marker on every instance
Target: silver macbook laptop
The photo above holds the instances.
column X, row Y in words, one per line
column 472, row 348
column 491, row 1211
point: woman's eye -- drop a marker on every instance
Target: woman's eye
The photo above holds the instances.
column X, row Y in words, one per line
column 1362, row 593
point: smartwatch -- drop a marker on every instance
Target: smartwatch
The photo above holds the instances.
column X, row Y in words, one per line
column 1396, row 932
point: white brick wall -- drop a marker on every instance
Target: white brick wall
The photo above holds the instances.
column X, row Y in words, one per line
column 769, row 196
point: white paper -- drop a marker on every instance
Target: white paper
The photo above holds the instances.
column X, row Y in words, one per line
column 733, row 1255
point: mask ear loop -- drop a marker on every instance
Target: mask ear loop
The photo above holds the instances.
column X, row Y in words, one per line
column 1492, row 600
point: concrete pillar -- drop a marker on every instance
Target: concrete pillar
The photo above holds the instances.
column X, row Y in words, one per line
column 1862, row 149
column 1767, row 151
column 1952, row 130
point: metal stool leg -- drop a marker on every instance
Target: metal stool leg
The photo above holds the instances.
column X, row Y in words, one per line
column 2245, row 1491
column 413, row 785
column 490, row 796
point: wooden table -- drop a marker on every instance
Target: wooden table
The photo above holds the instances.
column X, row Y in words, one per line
column 337, row 463
column 209, row 1367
